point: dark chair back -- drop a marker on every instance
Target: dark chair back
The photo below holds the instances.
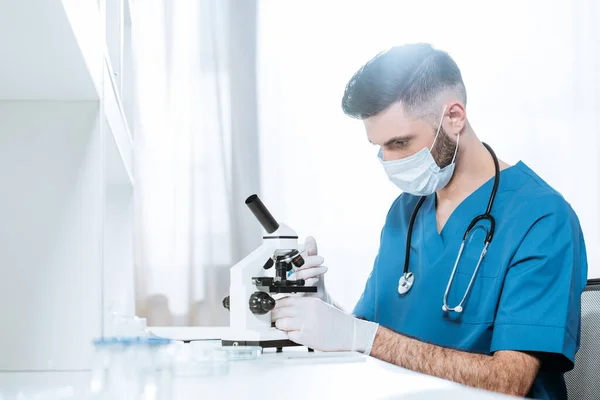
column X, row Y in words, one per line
column 583, row 382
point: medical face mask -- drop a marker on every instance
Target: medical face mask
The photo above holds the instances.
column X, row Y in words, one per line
column 419, row 174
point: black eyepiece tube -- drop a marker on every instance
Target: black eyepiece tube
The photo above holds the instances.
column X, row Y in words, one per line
column 262, row 214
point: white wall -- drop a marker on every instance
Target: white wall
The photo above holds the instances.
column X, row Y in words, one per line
column 50, row 247
column 118, row 274
column 529, row 70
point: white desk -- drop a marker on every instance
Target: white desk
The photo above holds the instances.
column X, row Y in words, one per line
column 293, row 374
column 352, row 376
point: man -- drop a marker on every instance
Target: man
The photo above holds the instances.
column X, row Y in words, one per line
column 517, row 328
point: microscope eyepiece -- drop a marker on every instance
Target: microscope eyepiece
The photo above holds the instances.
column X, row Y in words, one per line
column 262, row 214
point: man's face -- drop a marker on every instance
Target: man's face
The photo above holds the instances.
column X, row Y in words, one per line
column 400, row 136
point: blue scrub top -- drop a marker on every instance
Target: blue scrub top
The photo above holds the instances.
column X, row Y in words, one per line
column 526, row 295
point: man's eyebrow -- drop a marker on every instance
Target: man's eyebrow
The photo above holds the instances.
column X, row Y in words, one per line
column 398, row 139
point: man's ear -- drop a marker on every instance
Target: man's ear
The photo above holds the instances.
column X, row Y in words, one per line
column 457, row 118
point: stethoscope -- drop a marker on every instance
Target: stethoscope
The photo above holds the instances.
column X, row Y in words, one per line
column 408, row 278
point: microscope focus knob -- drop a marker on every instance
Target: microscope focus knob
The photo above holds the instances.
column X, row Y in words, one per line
column 261, row 303
column 226, row 302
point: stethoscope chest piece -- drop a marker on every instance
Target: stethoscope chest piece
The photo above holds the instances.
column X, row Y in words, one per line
column 406, row 283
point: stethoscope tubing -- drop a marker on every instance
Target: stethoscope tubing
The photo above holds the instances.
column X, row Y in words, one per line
column 489, row 237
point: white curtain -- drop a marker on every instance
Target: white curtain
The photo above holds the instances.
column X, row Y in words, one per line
column 531, row 71
column 187, row 155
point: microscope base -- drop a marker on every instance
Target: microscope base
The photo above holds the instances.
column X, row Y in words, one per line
column 267, row 338
column 265, row 344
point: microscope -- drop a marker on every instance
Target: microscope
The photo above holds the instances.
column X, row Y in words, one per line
column 258, row 279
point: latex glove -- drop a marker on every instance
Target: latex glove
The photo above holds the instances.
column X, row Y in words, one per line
column 321, row 326
column 313, row 272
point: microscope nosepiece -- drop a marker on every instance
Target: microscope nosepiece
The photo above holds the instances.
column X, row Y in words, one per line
column 298, row 261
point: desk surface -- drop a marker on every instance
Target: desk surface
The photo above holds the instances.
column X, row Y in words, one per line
column 297, row 374
column 272, row 376
column 293, row 374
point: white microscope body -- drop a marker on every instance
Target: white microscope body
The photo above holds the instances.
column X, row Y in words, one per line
column 260, row 278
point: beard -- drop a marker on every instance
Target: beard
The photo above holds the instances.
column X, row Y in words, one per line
column 443, row 150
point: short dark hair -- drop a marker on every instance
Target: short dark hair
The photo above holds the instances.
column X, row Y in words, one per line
column 413, row 74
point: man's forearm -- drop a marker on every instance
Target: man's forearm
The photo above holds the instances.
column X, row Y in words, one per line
column 508, row 372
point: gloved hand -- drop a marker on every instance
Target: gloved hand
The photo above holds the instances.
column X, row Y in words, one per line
column 321, row 326
column 313, row 272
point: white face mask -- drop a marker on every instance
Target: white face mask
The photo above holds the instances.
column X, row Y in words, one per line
column 419, row 174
